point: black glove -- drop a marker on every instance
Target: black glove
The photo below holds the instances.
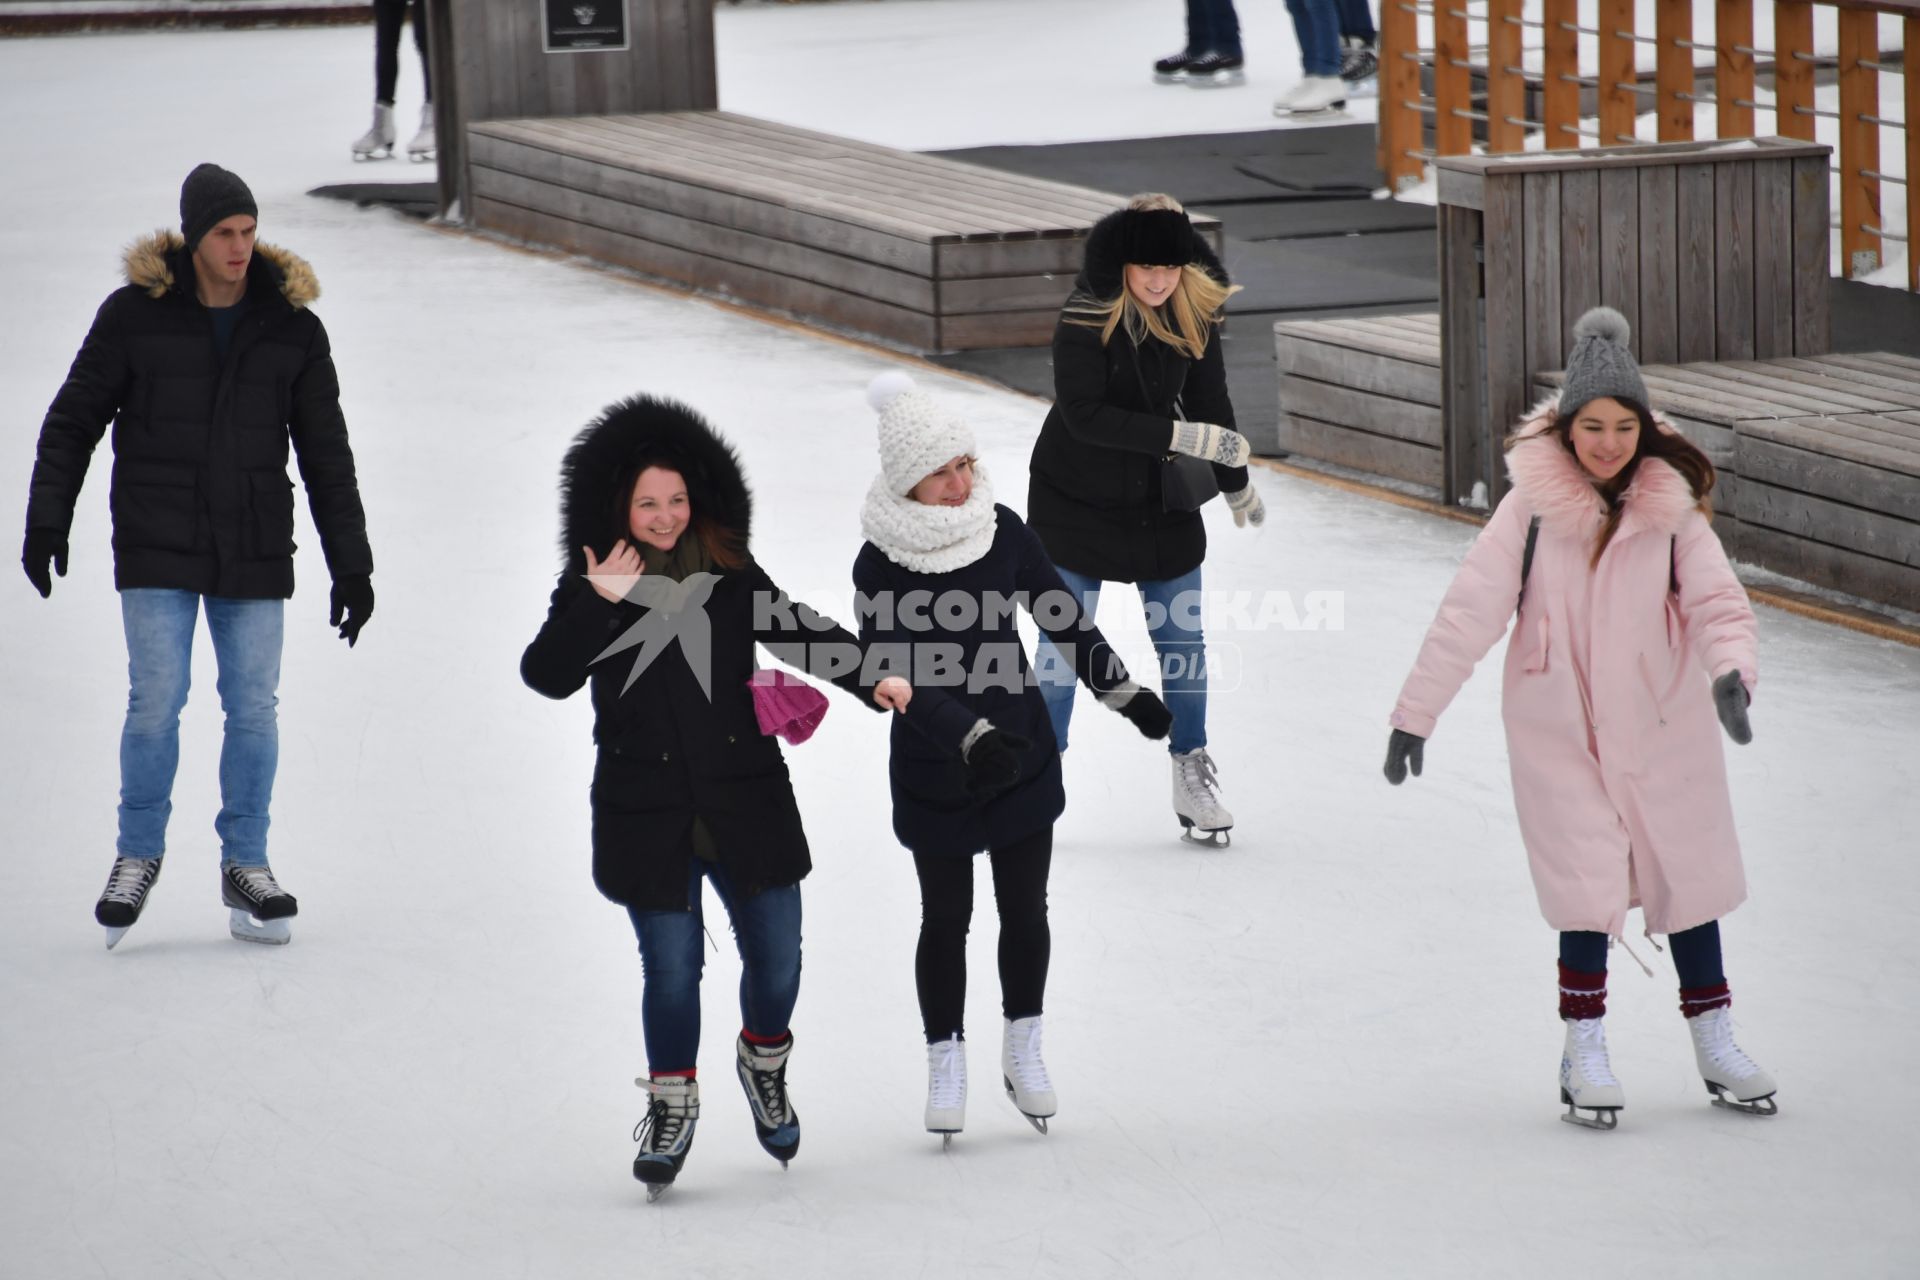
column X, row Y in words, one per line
column 993, row 763
column 1404, row 750
column 1148, row 714
column 351, row 604
column 1730, row 699
column 44, row 545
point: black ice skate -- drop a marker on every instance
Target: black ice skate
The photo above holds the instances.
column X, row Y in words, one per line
column 1172, row 69
column 125, row 895
column 665, row 1134
column 1216, row 71
column 763, row 1074
column 260, row 907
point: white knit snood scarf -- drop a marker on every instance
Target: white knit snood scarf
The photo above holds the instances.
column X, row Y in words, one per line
column 929, row 539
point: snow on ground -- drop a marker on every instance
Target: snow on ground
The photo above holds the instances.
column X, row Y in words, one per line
column 1328, row 1051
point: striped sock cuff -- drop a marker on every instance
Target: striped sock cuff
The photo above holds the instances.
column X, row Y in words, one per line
column 1582, row 995
column 1695, row 1001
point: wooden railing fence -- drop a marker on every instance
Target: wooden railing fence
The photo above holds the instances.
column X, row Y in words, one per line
column 1482, row 93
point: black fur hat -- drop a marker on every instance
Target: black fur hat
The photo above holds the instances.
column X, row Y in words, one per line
column 629, row 436
column 1156, row 238
column 1120, row 235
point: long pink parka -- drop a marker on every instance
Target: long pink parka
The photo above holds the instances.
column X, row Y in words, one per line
column 1618, row 777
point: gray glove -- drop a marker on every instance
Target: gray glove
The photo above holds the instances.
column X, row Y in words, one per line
column 1223, row 445
column 1404, row 751
column 1730, row 700
column 1247, row 508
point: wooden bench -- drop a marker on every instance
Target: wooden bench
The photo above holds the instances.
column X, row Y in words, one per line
column 1818, row 460
column 929, row 253
column 1363, row 393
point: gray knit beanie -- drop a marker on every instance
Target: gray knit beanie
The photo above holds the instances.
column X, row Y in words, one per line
column 209, row 195
column 1600, row 363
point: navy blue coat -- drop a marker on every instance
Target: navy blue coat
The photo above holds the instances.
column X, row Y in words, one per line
column 933, row 813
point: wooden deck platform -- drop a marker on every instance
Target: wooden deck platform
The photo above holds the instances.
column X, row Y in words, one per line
column 1818, row 456
column 925, row 252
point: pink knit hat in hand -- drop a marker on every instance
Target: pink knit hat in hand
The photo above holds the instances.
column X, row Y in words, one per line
column 786, row 705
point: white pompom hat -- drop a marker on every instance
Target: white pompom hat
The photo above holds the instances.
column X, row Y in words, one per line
column 918, row 435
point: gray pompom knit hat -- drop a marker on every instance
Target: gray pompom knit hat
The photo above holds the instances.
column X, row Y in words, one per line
column 209, row 195
column 1600, row 363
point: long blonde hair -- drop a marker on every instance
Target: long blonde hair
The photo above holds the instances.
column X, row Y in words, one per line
column 1194, row 305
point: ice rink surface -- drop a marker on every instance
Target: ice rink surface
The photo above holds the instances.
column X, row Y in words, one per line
column 1327, row 1051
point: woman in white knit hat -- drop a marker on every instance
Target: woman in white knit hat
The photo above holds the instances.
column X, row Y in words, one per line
column 1633, row 635
column 974, row 767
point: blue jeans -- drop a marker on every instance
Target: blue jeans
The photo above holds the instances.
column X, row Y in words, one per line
column 1213, row 27
column 1174, row 623
column 1356, row 19
column 246, row 646
column 766, row 928
column 1316, row 23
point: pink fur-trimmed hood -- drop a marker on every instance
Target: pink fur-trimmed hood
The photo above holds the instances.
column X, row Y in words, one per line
column 1552, row 483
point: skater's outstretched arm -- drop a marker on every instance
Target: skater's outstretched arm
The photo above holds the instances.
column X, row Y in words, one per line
column 889, row 648
column 809, row 641
column 1094, row 661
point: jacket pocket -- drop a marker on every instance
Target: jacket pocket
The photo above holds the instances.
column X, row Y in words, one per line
column 272, row 497
column 1534, row 634
column 156, row 509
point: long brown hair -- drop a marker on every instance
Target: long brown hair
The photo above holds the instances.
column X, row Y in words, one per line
column 724, row 546
column 1670, row 447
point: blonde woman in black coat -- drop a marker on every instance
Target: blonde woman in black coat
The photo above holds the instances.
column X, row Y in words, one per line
column 658, row 610
column 1139, row 383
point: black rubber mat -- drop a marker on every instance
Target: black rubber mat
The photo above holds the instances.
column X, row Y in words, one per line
column 416, row 199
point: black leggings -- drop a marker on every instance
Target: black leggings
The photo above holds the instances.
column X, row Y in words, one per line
column 387, row 17
column 946, row 909
column 1696, row 954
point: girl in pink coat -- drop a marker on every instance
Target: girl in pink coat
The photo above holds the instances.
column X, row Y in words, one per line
column 1627, row 607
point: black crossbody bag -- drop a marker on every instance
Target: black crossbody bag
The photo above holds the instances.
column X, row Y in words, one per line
column 1187, row 483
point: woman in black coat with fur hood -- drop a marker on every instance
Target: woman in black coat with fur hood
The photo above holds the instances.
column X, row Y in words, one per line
column 1140, row 388
column 658, row 610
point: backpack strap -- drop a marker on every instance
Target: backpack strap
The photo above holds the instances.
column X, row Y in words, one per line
column 1526, row 559
column 1673, row 564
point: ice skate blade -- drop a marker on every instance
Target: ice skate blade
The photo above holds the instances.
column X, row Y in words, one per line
column 420, row 157
column 1594, row 1117
column 1038, row 1122
column 272, row 933
column 946, row 1141
column 114, row 934
column 1756, row 1107
column 378, row 153
column 1218, row 80
column 1318, row 113
column 1220, row 839
column 657, row 1189
column 1170, row 77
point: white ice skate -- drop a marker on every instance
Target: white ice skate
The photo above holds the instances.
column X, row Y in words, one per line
column 1726, row 1069
column 1196, row 800
column 947, row 1088
column 377, row 142
column 421, row 149
column 125, row 896
column 665, row 1134
column 1024, row 1072
column 1313, row 96
column 1593, row 1097
column 259, row 909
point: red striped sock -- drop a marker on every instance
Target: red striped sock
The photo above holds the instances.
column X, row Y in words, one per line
column 751, row 1038
column 1582, row 995
column 1695, row 1001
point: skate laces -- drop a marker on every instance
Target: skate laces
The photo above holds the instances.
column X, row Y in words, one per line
column 1201, row 777
column 129, row 879
column 1029, row 1070
column 257, row 882
column 662, row 1128
column 947, row 1075
column 770, row 1092
column 1589, row 1052
column 1715, row 1034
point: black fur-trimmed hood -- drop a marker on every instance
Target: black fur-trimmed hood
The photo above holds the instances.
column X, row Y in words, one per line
column 1100, row 276
column 610, row 451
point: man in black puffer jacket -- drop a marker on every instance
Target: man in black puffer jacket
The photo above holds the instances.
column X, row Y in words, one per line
column 207, row 364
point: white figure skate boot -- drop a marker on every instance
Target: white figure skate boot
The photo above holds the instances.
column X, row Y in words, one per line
column 422, row 148
column 1586, row 1077
column 1313, row 96
column 377, row 142
column 1196, row 800
column 947, row 1088
column 1726, row 1069
column 1024, row 1072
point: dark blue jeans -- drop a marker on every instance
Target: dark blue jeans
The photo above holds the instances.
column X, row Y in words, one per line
column 1317, row 23
column 1356, row 19
column 766, row 929
column 1174, row 609
column 1213, row 27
